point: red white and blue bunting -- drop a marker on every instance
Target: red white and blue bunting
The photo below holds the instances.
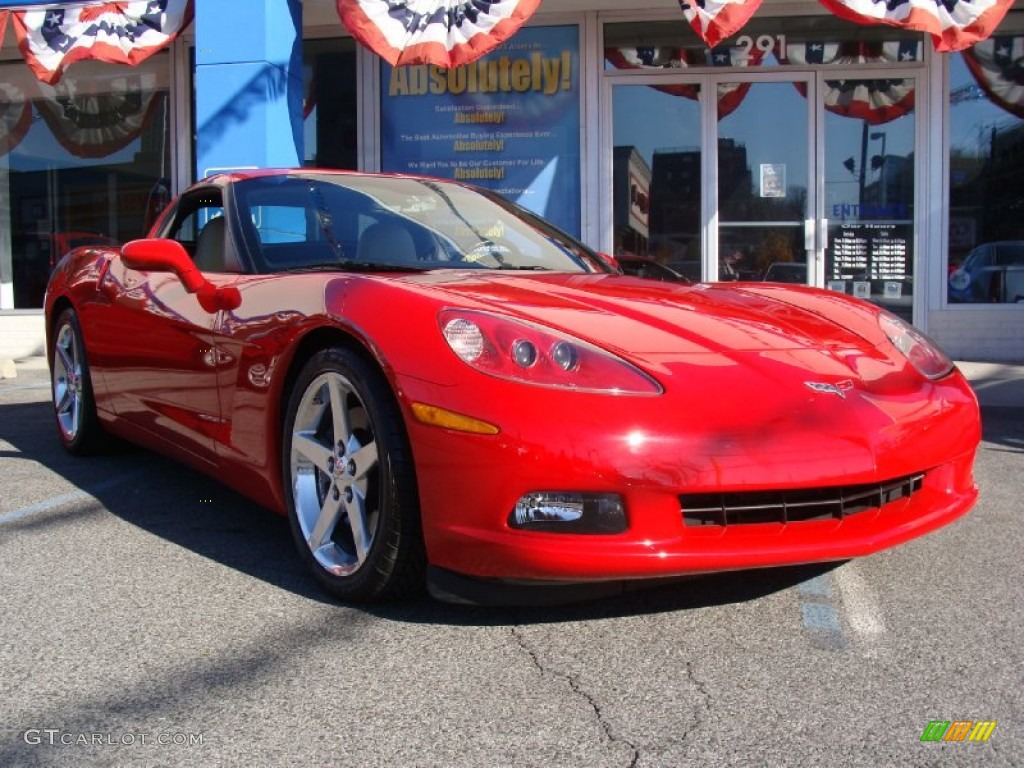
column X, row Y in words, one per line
column 729, row 95
column 716, row 20
column 448, row 33
column 996, row 66
column 953, row 24
column 94, row 111
column 877, row 100
column 15, row 116
column 52, row 38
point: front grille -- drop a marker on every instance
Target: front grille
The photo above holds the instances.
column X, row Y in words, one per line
column 795, row 505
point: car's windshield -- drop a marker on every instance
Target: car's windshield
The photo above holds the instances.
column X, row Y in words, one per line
column 318, row 219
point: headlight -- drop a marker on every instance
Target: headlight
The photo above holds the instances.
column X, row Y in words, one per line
column 521, row 351
column 959, row 280
column 923, row 353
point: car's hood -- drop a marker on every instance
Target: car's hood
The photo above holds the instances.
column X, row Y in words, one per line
column 647, row 317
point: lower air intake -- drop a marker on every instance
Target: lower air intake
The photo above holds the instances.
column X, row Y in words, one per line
column 793, row 506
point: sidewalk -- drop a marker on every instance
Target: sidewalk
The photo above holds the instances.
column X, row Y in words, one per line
column 999, row 385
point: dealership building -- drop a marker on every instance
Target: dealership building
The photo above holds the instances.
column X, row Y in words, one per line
column 804, row 146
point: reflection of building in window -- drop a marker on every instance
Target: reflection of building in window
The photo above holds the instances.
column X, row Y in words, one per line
column 631, row 182
column 675, row 204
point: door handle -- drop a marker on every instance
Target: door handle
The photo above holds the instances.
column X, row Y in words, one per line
column 816, row 235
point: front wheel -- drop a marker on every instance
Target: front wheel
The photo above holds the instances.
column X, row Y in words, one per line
column 74, row 406
column 350, row 482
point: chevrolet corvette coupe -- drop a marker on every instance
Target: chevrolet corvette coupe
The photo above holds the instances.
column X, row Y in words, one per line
column 439, row 388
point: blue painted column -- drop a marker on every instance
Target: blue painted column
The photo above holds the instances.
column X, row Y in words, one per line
column 248, row 83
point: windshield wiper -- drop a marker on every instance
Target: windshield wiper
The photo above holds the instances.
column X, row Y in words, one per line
column 524, row 267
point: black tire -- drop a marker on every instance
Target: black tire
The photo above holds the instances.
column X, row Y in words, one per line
column 349, row 478
column 74, row 406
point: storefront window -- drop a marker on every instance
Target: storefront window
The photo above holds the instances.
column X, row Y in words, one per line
column 986, row 162
column 85, row 161
column 330, row 103
column 509, row 121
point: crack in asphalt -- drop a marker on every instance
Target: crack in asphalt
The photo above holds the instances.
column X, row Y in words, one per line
column 702, row 689
column 577, row 688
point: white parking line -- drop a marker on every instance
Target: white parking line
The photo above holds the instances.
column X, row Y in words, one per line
column 67, row 498
column 861, row 607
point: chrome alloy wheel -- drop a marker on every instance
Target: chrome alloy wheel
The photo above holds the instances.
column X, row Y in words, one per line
column 67, row 382
column 335, row 474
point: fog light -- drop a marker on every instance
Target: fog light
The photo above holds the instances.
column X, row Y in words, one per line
column 566, row 512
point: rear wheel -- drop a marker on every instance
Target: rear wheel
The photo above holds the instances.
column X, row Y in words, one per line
column 351, row 487
column 74, row 406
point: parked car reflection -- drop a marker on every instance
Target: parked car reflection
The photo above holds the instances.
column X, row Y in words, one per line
column 644, row 266
column 993, row 272
column 786, row 272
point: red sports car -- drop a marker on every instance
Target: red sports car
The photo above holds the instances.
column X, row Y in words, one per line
column 437, row 387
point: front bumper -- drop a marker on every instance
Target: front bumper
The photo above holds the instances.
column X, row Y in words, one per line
column 651, row 457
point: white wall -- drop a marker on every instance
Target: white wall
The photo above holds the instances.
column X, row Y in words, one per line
column 986, row 333
column 22, row 334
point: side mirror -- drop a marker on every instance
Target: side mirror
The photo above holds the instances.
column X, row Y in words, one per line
column 161, row 255
column 611, row 261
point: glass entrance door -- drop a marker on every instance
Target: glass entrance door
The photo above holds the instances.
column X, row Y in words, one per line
column 869, row 171
column 764, row 180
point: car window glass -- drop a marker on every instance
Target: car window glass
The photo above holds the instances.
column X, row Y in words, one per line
column 300, row 221
column 192, row 215
column 193, row 223
column 281, row 223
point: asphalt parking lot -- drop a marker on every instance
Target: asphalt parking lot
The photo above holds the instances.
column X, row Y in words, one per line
column 153, row 618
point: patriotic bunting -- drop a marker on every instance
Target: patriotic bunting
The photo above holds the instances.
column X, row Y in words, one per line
column 730, row 95
column 91, row 123
column 94, row 111
column 15, row 116
column 953, row 24
column 126, row 33
column 875, row 101
column 715, row 20
column 448, row 33
column 3, row 25
column 996, row 66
